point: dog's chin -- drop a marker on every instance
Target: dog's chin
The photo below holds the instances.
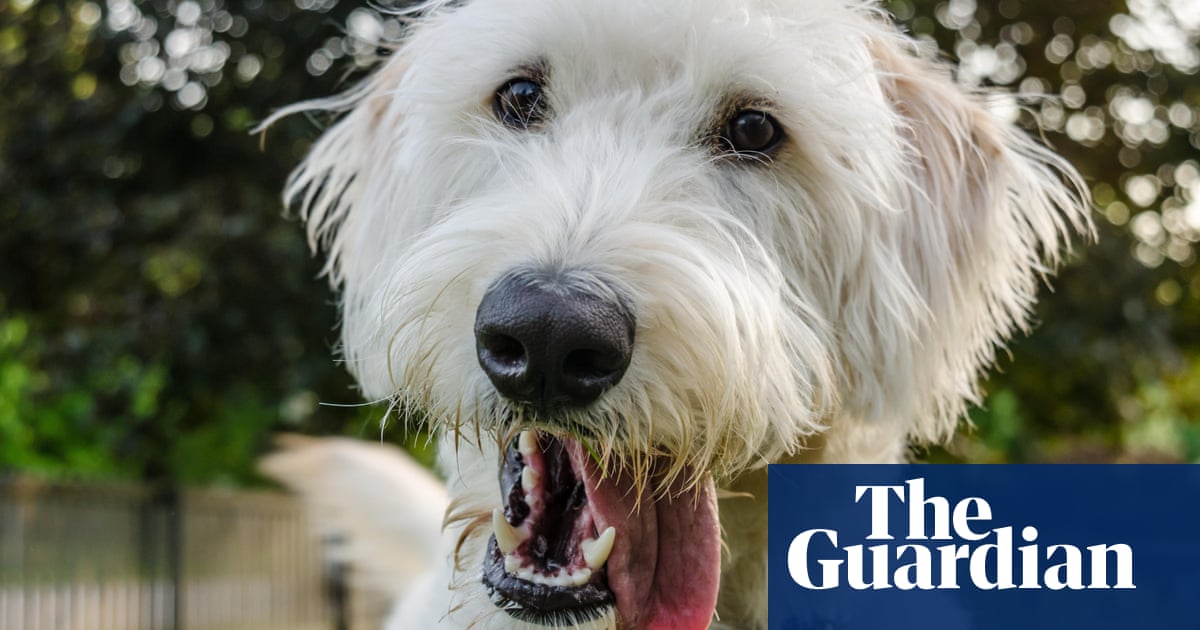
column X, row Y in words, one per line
column 575, row 541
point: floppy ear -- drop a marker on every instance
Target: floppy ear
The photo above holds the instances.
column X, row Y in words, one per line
column 329, row 182
column 986, row 212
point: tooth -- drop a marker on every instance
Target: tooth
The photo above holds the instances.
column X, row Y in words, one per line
column 527, row 443
column 595, row 551
column 512, row 564
column 529, row 479
column 507, row 537
column 580, row 577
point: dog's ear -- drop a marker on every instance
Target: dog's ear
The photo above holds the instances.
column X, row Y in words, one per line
column 986, row 212
column 325, row 187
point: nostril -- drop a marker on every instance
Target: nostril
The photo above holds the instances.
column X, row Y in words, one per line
column 591, row 365
column 504, row 350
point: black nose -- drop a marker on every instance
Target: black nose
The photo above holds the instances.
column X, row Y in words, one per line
column 551, row 345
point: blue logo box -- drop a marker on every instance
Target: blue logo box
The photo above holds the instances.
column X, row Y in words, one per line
column 943, row 547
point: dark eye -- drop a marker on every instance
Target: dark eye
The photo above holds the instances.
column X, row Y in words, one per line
column 752, row 131
column 519, row 103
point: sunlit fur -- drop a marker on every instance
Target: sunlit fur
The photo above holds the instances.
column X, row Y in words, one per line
column 833, row 301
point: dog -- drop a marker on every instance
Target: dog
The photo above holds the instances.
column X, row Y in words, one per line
column 622, row 254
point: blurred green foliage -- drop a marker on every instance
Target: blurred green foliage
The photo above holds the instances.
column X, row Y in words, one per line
column 159, row 318
column 1109, row 373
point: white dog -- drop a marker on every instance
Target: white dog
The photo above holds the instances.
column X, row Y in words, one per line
column 625, row 253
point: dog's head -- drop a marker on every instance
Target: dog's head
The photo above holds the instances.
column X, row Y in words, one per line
column 644, row 245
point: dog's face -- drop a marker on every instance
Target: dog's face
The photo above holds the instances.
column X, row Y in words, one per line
column 645, row 246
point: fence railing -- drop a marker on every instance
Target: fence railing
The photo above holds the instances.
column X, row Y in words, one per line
column 77, row 556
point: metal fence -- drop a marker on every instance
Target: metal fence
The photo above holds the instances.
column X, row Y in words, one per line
column 79, row 556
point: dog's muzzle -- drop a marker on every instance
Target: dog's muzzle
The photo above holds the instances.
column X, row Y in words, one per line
column 545, row 343
column 575, row 538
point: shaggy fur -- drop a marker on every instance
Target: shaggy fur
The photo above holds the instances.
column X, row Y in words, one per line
column 833, row 301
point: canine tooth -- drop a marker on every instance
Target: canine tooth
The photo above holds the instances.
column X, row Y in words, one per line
column 507, row 537
column 595, row 551
column 512, row 564
column 529, row 479
column 527, row 443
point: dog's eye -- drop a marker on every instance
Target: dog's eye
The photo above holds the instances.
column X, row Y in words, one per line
column 519, row 103
column 752, row 131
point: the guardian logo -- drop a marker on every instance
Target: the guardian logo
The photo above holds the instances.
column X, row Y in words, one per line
column 949, row 547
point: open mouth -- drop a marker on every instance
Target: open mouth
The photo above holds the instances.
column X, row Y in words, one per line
column 571, row 543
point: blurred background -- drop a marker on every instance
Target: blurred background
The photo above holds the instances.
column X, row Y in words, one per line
column 161, row 318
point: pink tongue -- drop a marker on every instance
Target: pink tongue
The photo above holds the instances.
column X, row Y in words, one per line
column 666, row 560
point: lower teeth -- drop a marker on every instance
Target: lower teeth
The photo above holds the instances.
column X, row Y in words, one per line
column 560, row 578
column 595, row 551
column 595, row 554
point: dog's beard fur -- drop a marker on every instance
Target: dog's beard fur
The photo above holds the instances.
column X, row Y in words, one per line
column 832, row 301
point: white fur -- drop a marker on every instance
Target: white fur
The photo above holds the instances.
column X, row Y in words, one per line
column 836, row 302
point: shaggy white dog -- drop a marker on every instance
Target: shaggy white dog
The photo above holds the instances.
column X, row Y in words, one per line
column 625, row 253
